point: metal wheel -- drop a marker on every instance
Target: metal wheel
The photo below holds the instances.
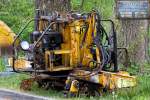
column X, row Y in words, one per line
column 90, row 89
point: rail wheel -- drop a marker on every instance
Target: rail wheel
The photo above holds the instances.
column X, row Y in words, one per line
column 90, row 89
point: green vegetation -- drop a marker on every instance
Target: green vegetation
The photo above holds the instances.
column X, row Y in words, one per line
column 2, row 65
column 140, row 92
column 17, row 12
column 12, row 82
column 105, row 7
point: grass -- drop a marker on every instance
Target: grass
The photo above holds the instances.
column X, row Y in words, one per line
column 140, row 92
column 2, row 64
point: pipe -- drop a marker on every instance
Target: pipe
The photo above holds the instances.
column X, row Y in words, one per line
column 15, row 42
column 114, row 45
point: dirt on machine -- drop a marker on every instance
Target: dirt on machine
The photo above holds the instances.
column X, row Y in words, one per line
column 73, row 52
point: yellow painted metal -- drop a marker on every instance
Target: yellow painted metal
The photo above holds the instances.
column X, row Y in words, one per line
column 66, row 45
column 6, row 35
column 87, row 56
column 20, row 64
column 61, row 52
column 74, row 54
column 75, row 42
column 106, row 79
column 74, row 87
column 49, row 64
column 116, row 80
column 61, row 68
column 98, row 54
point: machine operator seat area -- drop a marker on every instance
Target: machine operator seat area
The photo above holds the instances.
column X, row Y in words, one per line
column 52, row 40
column 56, row 59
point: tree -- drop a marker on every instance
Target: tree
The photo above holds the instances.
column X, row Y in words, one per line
column 48, row 6
column 134, row 36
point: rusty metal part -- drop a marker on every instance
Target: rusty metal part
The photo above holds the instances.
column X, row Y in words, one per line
column 26, row 84
column 90, row 89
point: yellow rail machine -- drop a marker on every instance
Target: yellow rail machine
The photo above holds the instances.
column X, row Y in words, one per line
column 72, row 51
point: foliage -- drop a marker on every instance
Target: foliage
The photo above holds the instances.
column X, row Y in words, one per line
column 16, row 13
column 104, row 6
column 2, row 65
column 12, row 82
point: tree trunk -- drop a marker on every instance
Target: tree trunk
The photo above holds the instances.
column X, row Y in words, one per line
column 147, row 42
column 135, row 39
column 47, row 7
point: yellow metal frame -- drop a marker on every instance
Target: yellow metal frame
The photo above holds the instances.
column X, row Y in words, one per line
column 72, row 38
column 49, row 64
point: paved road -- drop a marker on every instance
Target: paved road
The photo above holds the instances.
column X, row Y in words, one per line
column 11, row 95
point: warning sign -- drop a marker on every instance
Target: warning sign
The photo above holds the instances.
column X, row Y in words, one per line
column 133, row 9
